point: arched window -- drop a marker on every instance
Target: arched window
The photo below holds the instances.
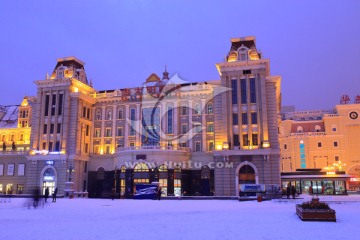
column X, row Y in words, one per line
column 246, row 174
column 243, row 54
column 123, row 169
column 108, row 115
column 209, row 109
column 98, row 115
column 317, row 128
column 163, row 168
column 100, row 174
column 205, row 172
column 299, row 129
column 120, row 114
column 141, row 167
column 60, row 72
column 197, row 109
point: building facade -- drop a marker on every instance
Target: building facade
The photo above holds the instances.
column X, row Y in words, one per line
column 327, row 140
column 201, row 138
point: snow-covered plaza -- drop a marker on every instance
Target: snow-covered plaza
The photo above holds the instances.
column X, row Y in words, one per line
column 175, row 219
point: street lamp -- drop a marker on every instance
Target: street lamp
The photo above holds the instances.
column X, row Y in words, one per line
column 70, row 170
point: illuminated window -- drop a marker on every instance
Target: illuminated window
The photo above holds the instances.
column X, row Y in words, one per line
column 210, row 127
column 211, row 145
column 209, row 109
column 108, row 132
column 108, row 115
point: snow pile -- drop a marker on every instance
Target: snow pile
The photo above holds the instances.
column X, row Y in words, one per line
column 175, row 219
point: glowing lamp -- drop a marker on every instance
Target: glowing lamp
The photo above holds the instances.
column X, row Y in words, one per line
column 266, row 144
column 225, row 146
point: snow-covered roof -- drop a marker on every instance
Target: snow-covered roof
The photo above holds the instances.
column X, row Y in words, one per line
column 9, row 116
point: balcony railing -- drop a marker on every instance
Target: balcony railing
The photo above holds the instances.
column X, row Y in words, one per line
column 309, row 134
column 160, row 148
column 20, row 152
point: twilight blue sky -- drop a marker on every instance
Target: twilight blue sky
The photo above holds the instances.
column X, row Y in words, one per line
column 313, row 45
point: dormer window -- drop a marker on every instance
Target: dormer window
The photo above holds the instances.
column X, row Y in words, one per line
column 60, row 72
column 243, row 54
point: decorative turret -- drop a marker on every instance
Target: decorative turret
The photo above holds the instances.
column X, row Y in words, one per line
column 243, row 49
column 165, row 75
column 69, row 67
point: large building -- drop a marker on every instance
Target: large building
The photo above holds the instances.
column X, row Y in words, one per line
column 201, row 138
column 327, row 140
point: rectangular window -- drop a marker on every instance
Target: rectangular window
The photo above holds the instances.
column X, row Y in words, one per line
column 254, row 118
column 183, row 128
column 53, row 104
column 319, row 144
column 285, row 146
column 85, row 167
column 335, row 144
column 21, row 137
column 60, row 104
column 87, row 130
column 119, row 131
column 183, row 110
column 1, row 169
column 88, row 113
column 86, row 147
column 57, row 146
column 246, row 140
column 132, row 144
column 198, row 128
column 96, row 149
column 248, row 71
column 170, row 120
column 211, row 146
column 236, row 140
column 252, row 90
column 234, row 91
column 11, row 169
column 132, row 118
column 97, row 132
column 120, row 114
column 107, row 149
column 50, row 146
column 44, row 146
column 210, row 127
column 51, row 128
column 255, row 141
column 47, row 101
column 336, row 158
column 197, row 146
column 235, row 119
column 58, row 130
column 244, row 118
column 243, row 90
column 84, row 112
column 21, row 169
column 45, row 129
column 108, row 132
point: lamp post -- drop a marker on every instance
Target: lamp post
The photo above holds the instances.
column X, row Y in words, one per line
column 70, row 171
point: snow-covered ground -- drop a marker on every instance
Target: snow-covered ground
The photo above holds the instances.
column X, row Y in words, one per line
column 176, row 219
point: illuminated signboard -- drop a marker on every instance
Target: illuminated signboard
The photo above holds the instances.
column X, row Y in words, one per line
column 354, row 179
column 49, row 162
column 49, row 178
column 330, row 173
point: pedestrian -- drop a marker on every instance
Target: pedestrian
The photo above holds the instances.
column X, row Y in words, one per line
column 46, row 194
column 36, row 198
column 159, row 193
column 54, row 195
column 293, row 191
column 288, row 191
column 113, row 193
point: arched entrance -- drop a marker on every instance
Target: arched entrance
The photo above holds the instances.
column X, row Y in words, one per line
column 205, row 181
column 48, row 179
column 246, row 172
column 163, row 179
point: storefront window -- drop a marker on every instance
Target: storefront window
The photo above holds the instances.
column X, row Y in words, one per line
column 306, row 186
column 328, row 187
column 339, row 187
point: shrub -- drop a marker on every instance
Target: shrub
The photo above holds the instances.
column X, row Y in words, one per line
column 315, row 206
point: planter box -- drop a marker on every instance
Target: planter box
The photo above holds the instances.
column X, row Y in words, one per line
column 328, row 215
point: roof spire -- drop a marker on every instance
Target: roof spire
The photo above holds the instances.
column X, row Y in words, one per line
column 165, row 74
